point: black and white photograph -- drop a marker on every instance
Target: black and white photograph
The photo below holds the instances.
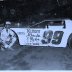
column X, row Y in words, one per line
column 35, row 35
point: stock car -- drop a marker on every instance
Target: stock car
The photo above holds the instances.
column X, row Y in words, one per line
column 51, row 32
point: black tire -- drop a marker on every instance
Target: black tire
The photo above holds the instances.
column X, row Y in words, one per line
column 69, row 43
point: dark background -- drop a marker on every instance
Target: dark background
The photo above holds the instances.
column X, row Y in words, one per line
column 16, row 10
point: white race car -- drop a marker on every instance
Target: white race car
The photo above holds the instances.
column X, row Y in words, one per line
column 53, row 32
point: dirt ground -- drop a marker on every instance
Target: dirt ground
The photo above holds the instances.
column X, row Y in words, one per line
column 36, row 58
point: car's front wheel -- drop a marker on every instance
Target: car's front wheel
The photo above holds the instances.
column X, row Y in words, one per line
column 12, row 43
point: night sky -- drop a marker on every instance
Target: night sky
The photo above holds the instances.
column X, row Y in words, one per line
column 22, row 9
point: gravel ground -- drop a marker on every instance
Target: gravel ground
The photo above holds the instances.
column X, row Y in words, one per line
column 36, row 58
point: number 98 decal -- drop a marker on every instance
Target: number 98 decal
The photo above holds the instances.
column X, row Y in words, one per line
column 50, row 37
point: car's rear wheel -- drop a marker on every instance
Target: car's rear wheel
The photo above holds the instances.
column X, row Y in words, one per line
column 69, row 44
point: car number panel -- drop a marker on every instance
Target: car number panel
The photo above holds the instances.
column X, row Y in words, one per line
column 41, row 37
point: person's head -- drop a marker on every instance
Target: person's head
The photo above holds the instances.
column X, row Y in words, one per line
column 7, row 24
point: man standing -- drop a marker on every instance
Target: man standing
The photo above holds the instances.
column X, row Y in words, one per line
column 7, row 37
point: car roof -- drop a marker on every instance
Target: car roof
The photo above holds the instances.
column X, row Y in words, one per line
column 57, row 19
